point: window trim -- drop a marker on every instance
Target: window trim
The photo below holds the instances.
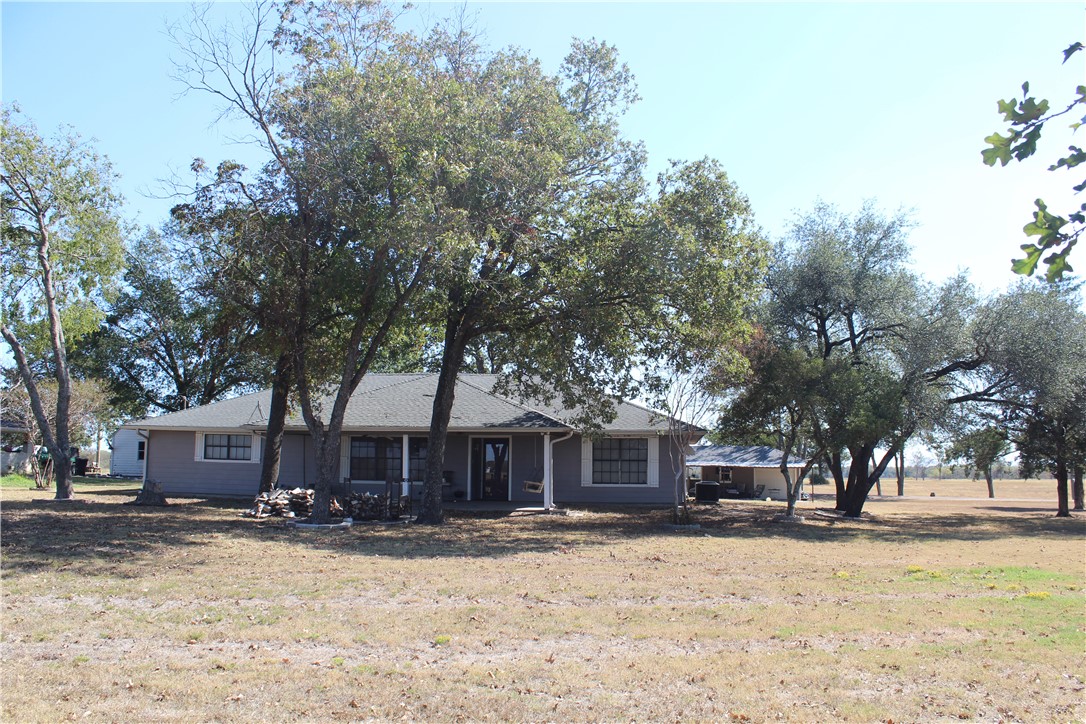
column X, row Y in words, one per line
column 255, row 452
column 652, row 473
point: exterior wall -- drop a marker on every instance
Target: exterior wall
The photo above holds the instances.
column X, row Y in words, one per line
column 124, row 460
column 457, row 452
column 297, row 466
column 568, row 487
column 774, row 482
column 171, row 460
column 15, row 462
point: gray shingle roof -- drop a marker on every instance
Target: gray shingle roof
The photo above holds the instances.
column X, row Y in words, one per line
column 736, row 456
column 403, row 402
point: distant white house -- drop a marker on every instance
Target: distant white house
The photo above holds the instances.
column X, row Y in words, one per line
column 15, row 459
column 129, row 451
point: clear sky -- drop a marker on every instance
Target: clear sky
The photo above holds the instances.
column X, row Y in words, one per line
column 800, row 101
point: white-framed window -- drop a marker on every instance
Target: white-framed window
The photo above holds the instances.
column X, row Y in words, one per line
column 141, row 449
column 620, row 461
column 227, row 447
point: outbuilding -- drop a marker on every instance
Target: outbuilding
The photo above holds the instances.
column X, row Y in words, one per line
column 743, row 471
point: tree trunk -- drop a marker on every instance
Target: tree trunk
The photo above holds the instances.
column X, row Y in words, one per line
column 834, row 464
column 1063, row 510
column 55, row 440
column 860, row 487
column 451, row 358
column 899, row 469
column 991, row 484
column 326, row 450
column 1077, row 491
column 277, row 418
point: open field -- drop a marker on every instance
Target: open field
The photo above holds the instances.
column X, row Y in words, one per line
column 928, row 610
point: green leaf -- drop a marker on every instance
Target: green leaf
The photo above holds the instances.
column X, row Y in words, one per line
column 1009, row 109
column 1027, row 266
column 1000, row 150
column 1071, row 50
column 1057, row 265
column 1030, row 110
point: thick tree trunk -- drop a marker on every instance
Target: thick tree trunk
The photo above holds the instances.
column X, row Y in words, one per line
column 991, row 484
column 452, row 358
column 834, row 464
column 860, row 487
column 1076, row 489
column 326, row 449
column 1063, row 510
column 277, row 418
column 858, row 476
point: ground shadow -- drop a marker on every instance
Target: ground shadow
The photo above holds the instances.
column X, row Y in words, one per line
column 101, row 536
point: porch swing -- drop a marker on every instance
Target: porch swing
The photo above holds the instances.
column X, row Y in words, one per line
column 535, row 485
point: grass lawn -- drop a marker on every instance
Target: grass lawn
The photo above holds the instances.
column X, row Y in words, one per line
column 926, row 610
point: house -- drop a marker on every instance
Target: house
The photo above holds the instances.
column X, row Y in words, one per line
column 15, row 458
column 743, row 469
column 497, row 449
column 127, row 454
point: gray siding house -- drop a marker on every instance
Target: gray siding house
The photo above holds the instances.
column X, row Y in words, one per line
column 498, row 449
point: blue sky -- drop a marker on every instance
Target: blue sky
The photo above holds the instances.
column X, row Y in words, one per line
column 802, row 101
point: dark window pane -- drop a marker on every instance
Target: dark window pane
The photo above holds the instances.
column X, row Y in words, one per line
column 620, row 461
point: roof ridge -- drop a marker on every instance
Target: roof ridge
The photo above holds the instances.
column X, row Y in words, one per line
column 512, row 402
column 407, row 377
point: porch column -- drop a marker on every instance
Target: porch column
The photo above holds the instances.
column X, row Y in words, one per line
column 548, row 482
column 405, row 466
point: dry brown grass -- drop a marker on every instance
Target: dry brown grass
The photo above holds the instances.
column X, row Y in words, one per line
column 928, row 609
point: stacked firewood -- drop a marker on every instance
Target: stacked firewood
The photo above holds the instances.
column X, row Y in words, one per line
column 298, row 503
column 282, row 502
column 295, row 503
column 363, row 506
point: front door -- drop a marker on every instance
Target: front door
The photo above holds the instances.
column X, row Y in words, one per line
column 490, row 468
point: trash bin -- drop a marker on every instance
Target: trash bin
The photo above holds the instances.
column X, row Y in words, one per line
column 81, row 466
column 707, row 491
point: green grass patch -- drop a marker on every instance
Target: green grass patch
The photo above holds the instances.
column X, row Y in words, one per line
column 15, row 481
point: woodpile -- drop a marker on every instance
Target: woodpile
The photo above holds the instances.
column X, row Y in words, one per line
column 365, row 506
column 282, row 503
column 298, row 503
